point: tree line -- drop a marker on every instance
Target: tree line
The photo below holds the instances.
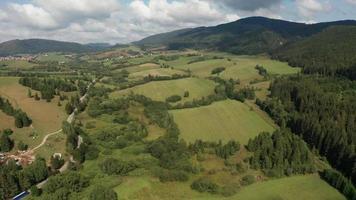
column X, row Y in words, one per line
column 322, row 111
column 21, row 118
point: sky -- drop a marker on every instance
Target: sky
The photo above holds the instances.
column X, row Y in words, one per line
column 124, row 21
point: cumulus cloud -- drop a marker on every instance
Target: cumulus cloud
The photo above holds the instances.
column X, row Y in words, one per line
column 250, row 5
column 308, row 8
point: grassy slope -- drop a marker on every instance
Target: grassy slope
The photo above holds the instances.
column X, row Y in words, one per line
column 220, row 121
column 53, row 57
column 160, row 90
column 155, row 72
column 292, row 188
column 47, row 117
column 17, row 64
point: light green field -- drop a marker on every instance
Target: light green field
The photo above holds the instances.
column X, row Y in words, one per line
column 155, row 72
column 16, row 64
column 160, row 90
column 223, row 120
column 142, row 67
column 244, row 67
column 292, row 188
column 52, row 57
column 204, row 68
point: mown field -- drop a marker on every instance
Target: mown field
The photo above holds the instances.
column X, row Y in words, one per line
column 160, row 90
column 47, row 117
column 58, row 57
column 223, row 120
column 156, row 72
column 16, row 64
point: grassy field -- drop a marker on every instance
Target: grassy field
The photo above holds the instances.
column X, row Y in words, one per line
column 155, row 72
column 160, row 90
column 47, row 117
column 59, row 57
column 292, row 188
column 142, row 67
column 16, row 64
column 223, row 120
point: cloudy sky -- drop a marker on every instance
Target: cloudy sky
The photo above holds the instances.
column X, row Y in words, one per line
column 123, row 21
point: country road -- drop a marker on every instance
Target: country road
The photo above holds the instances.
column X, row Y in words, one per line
column 70, row 119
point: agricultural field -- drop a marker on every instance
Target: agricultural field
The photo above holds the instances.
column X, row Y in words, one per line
column 141, row 67
column 16, row 64
column 47, row 117
column 160, row 90
column 58, row 57
column 156, row 72
column 291, row 188
column 223, row 120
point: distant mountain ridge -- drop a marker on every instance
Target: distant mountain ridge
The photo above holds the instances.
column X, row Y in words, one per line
column 251, row 35
column 33, row 46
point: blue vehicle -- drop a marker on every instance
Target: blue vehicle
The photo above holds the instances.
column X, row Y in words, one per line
column 21, row 195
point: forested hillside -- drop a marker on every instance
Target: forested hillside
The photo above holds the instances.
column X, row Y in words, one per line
column 330, row 52
column 322, row 111
column 33, row 46
column 246, row 36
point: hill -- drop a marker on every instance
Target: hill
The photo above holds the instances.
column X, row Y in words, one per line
column 32, row 46
column 251, row 35
column 328, row 52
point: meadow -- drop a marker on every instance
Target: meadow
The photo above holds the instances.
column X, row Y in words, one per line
column 16, row 64
column 223, row 120
column 58, row 57
column 160, row 90
column 46, row 117
column 156, row 72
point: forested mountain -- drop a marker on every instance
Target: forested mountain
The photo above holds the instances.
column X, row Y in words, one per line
column 246, row 36
column 32, row 46
column 328, row 52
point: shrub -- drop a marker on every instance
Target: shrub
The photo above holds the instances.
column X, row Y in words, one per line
column 172, row 175
column 173, row 99
column 102, row 193
column 35, row 191
column 248, row 180
column 205, row 185
column 218, row 70
column 113, row 166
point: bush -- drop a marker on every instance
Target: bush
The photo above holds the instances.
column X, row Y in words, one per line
column 35, row 191
column 205, row 185
column 173, row 99
column 186, row 94
column 113, row 166
column 248, row 180
column 218, row 70
column 172, row 175
column 103, row 193
column 22, row 146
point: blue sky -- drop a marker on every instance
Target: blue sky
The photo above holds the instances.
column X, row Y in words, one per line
column 122, row 21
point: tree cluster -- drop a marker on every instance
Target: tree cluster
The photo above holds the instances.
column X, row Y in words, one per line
column 280, row 153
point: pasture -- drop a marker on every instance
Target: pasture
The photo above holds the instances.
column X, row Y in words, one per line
column 160, row 90
column 290, row 188
column 46, row 117
column 156, row 72
column 16, row 64
column 224, row 120
column 58, row 57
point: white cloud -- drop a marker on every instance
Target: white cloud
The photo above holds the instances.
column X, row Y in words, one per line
column 308, row 8
column 30, row 15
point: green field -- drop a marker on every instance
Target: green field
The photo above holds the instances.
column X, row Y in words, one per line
column 292, row 188
column 223, row 120
column 142, row 67
column 155, row 72
column 16, row 64
column 160, row 90
column 58, row 57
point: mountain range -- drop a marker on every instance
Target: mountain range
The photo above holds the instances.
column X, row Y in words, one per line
column 251, row 35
